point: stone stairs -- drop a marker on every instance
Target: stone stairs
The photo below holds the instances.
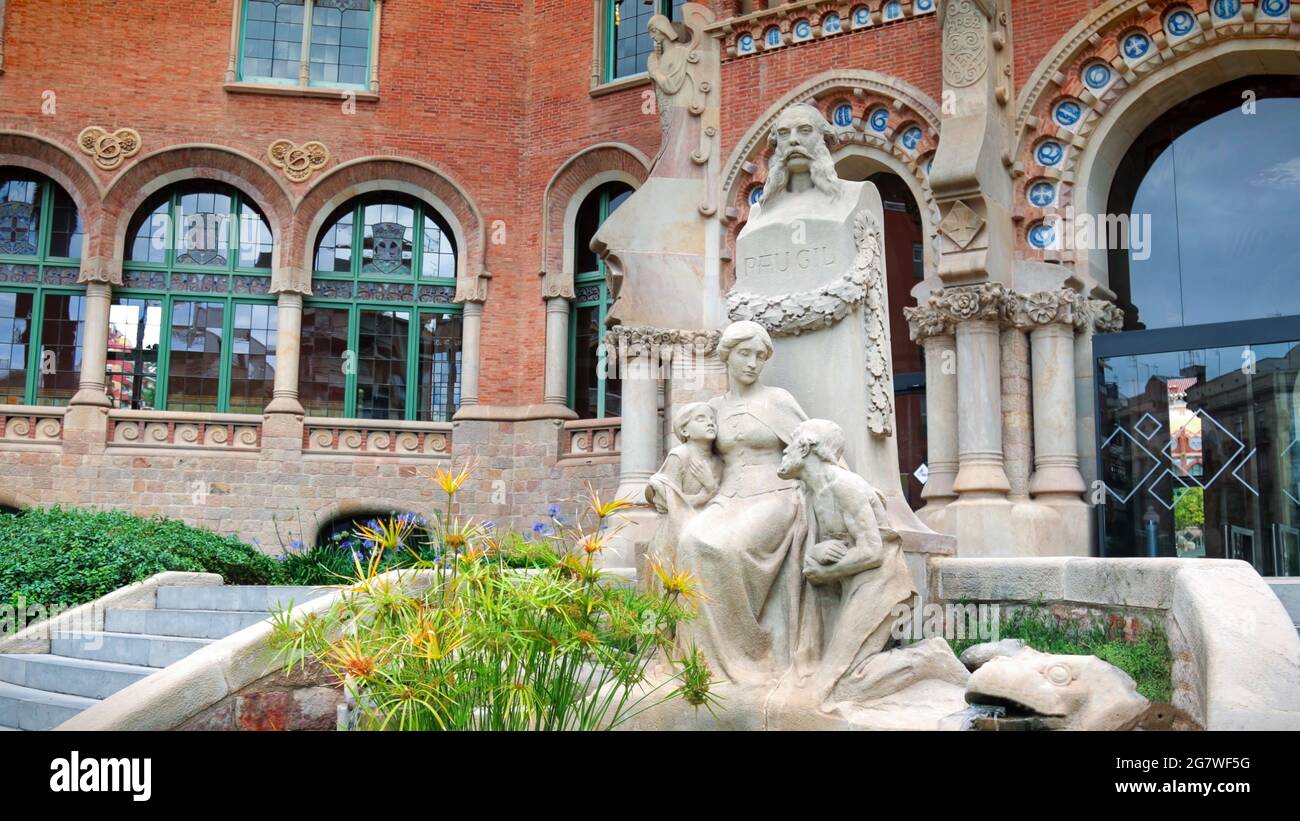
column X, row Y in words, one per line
column 1288, row 591
column 39, row 691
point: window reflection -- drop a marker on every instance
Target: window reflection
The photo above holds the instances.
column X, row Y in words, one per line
column 1221, row 187
column 1200, row 455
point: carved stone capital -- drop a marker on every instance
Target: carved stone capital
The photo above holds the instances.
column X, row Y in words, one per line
column 1099, row 316
column 968, row 303
column 100, row 269
column 472, row 289
column 1026, row 311
column 924, row 321
column 635, row 341
column 556, row 284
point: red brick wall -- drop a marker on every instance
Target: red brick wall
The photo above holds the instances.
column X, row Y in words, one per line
column 495, row 93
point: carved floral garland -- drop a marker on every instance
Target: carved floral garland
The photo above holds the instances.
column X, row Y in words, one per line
column 794, row 314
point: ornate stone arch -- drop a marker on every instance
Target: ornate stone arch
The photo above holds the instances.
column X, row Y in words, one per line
column 577, row 177
column 1140, row 89
column 419, row 179
column 865, row 91
column 56, row 162
column 153, row 172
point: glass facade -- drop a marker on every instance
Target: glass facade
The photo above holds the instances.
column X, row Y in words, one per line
column 1199, row 399
column 1201, row 454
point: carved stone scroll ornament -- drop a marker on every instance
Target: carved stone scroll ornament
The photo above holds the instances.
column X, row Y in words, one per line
column 864, row 283
column 298, row 162
column 109, row 148
column 965, row 41
column 1101, row 316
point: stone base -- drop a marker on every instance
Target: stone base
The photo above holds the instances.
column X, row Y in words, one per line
column 922, row 688
column 999, row 528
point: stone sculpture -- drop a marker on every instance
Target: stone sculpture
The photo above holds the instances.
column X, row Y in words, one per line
column 810, row 269
column 687, row 480
column 1058, row 692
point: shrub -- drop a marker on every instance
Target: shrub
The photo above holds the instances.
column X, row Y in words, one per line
column 68, row 556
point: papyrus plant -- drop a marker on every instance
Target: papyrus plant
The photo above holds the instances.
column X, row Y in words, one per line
column 467, row 640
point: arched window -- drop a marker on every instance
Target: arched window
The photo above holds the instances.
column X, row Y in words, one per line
column 1211, row 187
column 1199, row 399
column 193, row 327
column 41, row 306
column 591, row 394
column 381, row 337
column 627, row 34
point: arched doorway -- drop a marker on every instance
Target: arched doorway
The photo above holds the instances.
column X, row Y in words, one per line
column 1198, row 440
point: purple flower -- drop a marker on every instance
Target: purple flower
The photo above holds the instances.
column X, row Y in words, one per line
column 296, row 544
column 553, row 511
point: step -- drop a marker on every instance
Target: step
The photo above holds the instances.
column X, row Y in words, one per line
column 1288, row 591
column 263, row 598
column 76, row 677
column 125, row 648
column 196, row 624
column 24, row 708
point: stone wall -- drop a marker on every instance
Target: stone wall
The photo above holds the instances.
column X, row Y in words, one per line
column 289, row 484
column 306, row 699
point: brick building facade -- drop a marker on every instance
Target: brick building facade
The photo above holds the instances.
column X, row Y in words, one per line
column 495, row 122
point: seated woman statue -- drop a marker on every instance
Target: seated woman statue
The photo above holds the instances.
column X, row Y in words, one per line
column 759, row 620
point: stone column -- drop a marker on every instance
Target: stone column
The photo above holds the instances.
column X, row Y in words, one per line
column 1056, row 459
column 471, row 331
column 288, row 347
column 940, row 419
column 637, row 364
column 928, row 327
column 979, row 415
column 94, row 351
column 555, row 389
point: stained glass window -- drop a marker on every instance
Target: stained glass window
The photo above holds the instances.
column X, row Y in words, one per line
column 592, row 394
column 41, row 305
column 193, row 327
column 381, row 335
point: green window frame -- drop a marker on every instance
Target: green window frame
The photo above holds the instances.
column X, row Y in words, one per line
column 37, row 277
column 170, row 277
column 310, row 41
column 423, row 294
column 591, row 291
column 627, row 43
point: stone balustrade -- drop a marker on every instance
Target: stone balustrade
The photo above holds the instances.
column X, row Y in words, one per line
column 208, row 432
column 591, row 438
column 28, row 424
column 376, row 437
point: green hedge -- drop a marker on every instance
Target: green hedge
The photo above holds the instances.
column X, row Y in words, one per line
column 67, row 557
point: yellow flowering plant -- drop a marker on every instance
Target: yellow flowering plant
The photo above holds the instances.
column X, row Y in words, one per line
column 494, row 630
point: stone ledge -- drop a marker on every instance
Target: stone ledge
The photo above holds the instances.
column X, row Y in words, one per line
column 277, row 90
column 512, row 413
